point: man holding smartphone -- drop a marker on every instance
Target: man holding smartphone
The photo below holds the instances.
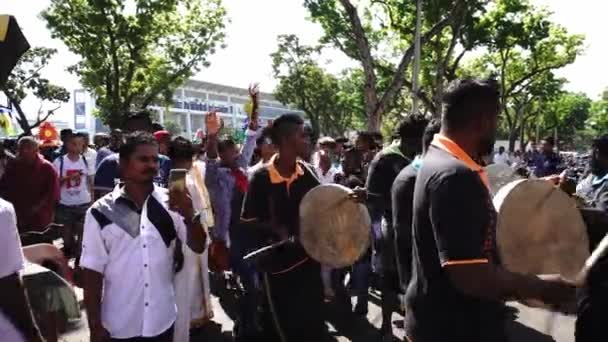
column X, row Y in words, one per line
column 128, row 252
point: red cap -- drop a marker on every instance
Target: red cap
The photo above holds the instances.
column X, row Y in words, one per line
column 161, row 135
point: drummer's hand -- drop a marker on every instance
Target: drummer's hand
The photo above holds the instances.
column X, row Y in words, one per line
column 555, row 179
column 556, row 291
column 358, row 195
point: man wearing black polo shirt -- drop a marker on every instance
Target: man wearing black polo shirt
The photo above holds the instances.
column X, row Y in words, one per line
column 457, row 288
column 402, row 195
column 593, row 298
column 382, row 172
column 291, row 281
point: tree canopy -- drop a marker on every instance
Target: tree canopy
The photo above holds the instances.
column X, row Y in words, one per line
column 328, row 101
column 135, row 53
column 378, row 35
column 26, row 79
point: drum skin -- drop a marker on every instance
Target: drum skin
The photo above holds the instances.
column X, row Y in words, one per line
column 539, row 229
column 500, row 175
column 334, row 230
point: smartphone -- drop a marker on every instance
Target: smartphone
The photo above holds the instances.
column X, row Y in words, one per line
column 177, row 180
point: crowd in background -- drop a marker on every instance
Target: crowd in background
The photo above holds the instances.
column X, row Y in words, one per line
column 53, row 188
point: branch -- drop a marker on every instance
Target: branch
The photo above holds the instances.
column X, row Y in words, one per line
column 22, row 119
column 48, row 114
column 179, row 73
column 115, row 61
column 533, row 73
column 420, row 95
column 22, row 83
column 399, row 78
column 450, row 72
column 365, row 55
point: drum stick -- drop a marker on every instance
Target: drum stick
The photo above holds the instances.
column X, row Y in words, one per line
column 263, row 250
column 598, row 252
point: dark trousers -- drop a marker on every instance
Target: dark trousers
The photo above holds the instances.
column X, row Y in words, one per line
column 247, row 321
column 166, row 336
column 295, row 309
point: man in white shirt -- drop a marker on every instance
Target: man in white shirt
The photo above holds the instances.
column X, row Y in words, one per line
column 75, row 183
column 128, row 250
column 325, row 171
column 16, row 321
column 502, row 157
column 89, row 153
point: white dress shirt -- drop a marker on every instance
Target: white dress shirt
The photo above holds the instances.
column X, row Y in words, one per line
column 501, row 158
column 327, row 178
column 91, row 156
column 11, row 262
column 136, row 263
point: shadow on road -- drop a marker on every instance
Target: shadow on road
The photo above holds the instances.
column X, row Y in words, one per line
column 521, row 333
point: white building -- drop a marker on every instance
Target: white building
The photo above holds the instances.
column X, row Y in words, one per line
column 190, row 103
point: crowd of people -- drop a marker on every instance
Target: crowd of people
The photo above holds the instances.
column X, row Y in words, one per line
column 144, row 250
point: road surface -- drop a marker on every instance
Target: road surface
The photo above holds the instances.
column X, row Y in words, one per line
column 529, row 325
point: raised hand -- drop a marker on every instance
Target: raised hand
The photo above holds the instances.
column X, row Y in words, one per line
column 213, row 123
column 254, row 92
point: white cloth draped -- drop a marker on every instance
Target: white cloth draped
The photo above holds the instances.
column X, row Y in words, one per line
column 193, row 295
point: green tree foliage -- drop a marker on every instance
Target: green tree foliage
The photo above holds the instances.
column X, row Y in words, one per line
column 134, row 53
column 598, row 120
column 523, row 49
column 379, row 35
column 330, row 103
column 567, row 114
column 26, row 79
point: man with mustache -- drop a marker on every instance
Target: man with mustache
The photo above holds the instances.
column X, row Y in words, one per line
column 128, row 250
column 458, row 287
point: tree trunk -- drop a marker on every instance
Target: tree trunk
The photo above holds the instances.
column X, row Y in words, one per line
column 22, row 119
column 373, row 121
column 513, row 135
column 522, row 136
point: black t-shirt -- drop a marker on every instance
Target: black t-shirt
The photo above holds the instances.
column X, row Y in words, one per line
column 454, row 221
column 402, row 195
column 272, row 199
column 595, row 293
column 383, row 170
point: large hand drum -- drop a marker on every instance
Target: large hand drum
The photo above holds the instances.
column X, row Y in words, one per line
column 540, row 230
column 333, row 229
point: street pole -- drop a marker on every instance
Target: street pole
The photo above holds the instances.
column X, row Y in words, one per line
column 416, row 71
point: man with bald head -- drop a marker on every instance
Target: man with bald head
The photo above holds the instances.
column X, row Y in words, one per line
column 31, row 185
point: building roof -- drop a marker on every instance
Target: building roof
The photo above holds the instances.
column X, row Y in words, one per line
column 219, row 88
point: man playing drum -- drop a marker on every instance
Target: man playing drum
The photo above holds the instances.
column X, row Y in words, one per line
column 593, row 298
column 458, row 288
column 292, row 282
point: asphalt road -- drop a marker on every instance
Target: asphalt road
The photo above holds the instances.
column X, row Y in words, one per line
column 529, row 325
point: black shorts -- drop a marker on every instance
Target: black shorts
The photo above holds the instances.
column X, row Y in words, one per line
column 70, row 215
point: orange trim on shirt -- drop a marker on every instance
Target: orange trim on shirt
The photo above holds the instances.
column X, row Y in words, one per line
column 291, row 267
column 275, row 176
column 465, row 262
column 452, row 148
